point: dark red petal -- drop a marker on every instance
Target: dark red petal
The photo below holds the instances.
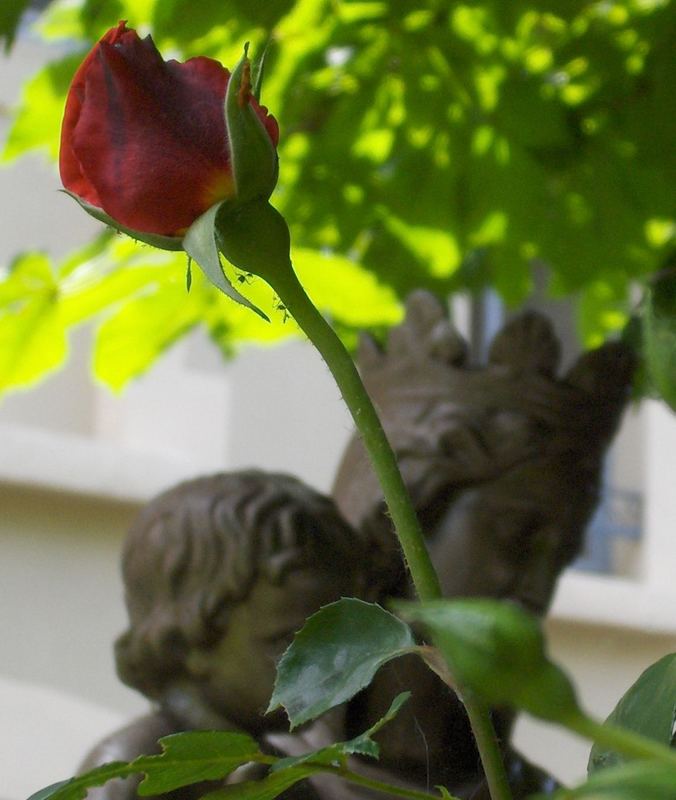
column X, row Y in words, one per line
column 69, row 165
column 150, row 137
column 268, row 121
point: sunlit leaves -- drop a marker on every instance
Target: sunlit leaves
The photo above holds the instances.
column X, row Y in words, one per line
column 345, row 290
column 137, row 298
column 130, row 340
column 33, row 339
column 419, row 142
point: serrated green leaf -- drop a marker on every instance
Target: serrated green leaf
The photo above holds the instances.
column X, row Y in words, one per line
column 335, row 655
column 267, row 788
column 637, row 780
column 200, row 244
column 186, row 758
column 361, row 745
column 497, row 650
column 647, row 707
column 193, row 757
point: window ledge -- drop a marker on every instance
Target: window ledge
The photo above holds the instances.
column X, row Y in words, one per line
column 606, row 601
column 77, row 464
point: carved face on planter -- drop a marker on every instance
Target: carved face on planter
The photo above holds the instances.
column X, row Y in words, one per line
column 502, row 461
column 236, row 675
column 219, row 573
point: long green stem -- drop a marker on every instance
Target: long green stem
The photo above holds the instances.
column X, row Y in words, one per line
column 487, row 745
column 257, row 238
column 406, row 524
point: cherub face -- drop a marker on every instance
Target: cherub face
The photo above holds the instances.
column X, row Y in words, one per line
column 237, row 674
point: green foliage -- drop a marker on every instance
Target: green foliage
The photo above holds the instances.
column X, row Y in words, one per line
column 438, row 146
column 137, row 296
column 335, row 655
column 33, row 337
column 10, row 16
column 497, row 651
column 197, row 756
column 362, row 745
column 648, row 707
column 659, row 337
column 186, row 758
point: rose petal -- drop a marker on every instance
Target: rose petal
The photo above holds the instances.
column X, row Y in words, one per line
column 151, row 136
column 69, row 165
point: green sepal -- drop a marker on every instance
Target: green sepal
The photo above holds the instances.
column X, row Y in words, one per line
column 253, row 156
column 200, row 245
column 154, row 239
column 254, row 238
column 259, row 72
column 497, row 651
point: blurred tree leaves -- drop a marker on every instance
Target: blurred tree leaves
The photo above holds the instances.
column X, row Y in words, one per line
column 438, row 145
column 10, row 16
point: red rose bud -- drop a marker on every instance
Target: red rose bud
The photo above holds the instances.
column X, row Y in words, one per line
column 145, row 145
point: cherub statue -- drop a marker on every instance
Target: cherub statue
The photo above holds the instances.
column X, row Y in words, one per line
column 503, row 463
column 219, row 572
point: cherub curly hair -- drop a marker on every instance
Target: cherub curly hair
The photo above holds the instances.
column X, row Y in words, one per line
column 195, row 551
